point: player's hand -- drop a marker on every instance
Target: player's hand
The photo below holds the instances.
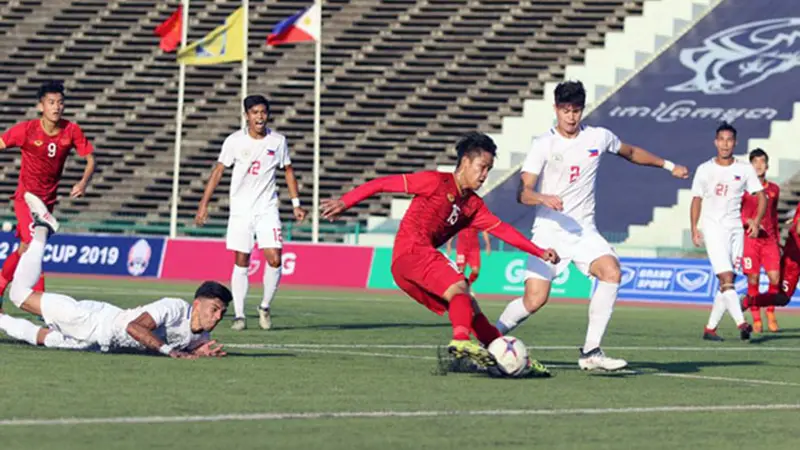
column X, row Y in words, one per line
column 175, row 354
column 202, row 215
column 680, row 172
column 331, row 208
column 78, row 190
column 553, row 202
column 697, row 238
column 300, row 214
column 210, row 349
column 753, row 228
column 551, row 256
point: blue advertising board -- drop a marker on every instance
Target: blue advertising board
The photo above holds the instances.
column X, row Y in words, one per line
column 96, row 254
column 676, row 280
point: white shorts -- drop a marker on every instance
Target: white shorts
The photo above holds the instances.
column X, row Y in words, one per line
column 724, row 248
column 265, row 227
column 582, row 248
column 84, row 321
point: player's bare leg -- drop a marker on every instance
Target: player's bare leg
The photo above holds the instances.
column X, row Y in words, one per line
column 774, row 288
column 272, row 278
column 465, row 316
column 607, row 271
column 536, row 295
column 732, row 304
column 239, row 286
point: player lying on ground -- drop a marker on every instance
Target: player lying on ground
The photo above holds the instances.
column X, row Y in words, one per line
column 468, row 252
column 44, row 144
column 444, row 204
column 763, row 250
column 718, row 187
column 790, row 271
column 558, row 178
column 169, row 326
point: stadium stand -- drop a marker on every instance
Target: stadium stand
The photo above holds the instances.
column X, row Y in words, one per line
column 402, row 78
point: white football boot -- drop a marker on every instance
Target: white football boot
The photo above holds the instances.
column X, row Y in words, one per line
column 597, row 360
column 41, row 215
column 264, row 319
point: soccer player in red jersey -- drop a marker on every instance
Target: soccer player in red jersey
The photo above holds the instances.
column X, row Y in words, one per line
column 468, row 252
column 45, row 143
column 764, row 249
column 444, row 204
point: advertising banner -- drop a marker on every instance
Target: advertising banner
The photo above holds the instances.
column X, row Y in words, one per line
column 95, row 254
column 303, row 264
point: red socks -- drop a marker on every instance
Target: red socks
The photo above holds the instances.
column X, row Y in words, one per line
column 484, row 331
column 461, row 312
column 756, row 313
column 10, row 266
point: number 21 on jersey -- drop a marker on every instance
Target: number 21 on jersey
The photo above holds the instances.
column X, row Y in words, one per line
column 721, row 190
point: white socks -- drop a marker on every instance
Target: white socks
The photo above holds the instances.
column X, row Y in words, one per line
column 272, row 277
column 600, row 308
column 717, row 311
column 239, row 286
column 733, row 306
column 29, row 268
column 19, row 329
column 514, row 314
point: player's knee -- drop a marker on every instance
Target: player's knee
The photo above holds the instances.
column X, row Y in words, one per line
column 242, row 259
column 537, row 292
column 274, row 259
column 19, row 294
column 606, row 269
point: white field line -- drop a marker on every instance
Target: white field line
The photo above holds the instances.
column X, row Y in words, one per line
column 274, row 416
column 733, row 380
column 753, row 348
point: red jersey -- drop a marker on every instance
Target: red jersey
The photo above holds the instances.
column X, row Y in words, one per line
column 467, row 241
column 43, row 156
column 437, row 212
column 769, row 224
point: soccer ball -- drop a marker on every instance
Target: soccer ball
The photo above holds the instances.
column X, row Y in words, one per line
column 511, row 355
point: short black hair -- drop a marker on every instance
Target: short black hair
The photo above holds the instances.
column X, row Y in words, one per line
column 472, row 144
column 50, row 87
column 725, row 126
column 253, row 100
column 212, row 289
column 759, row 153
column 570, row 93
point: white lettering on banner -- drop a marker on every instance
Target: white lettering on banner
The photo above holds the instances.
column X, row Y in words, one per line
column 562, row 278
column 289, row 262
column 515, row 271
column 688, row 109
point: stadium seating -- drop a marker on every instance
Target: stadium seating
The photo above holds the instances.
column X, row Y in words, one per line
column 401, row 80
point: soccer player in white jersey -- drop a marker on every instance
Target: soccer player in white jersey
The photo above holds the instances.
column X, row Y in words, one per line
column 169, row 326
column 718, row 187
column 558, row 178
column 255, row 154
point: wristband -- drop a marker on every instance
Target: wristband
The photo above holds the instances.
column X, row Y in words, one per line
column 165, row 349
column 668, row 165
column 296, row 202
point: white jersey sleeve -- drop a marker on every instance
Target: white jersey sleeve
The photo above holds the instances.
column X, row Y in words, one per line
column 699, row 182
column 284, row 154
column 227, row 156
column 167, row 311
column 753, row 185
column 611, row 142
column 534, row 161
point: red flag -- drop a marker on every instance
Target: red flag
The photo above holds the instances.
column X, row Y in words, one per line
column 170, row 31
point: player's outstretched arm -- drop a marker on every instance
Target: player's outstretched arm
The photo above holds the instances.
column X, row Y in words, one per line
column 642, row 157
column 527, row 195
column 488, row 242
column 80, row 187
column 294, row 193
column 213, row 180
column 421, row 183
column 484, row 220
column 694, row 217
column 141, row 330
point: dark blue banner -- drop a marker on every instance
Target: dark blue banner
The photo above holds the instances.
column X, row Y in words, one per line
column 96, row 255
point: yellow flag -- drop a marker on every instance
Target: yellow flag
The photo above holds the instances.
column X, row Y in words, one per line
column 224, row 44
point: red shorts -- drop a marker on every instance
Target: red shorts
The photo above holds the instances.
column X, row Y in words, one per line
column 471, row 259
column 790, row 268
column 425, row 275
column 758, row 253
column 25, row 220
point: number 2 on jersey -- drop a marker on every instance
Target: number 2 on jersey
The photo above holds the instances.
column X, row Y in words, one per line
column 574, row 173
column 255, row 167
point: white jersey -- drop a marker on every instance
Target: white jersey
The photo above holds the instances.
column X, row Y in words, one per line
column 722, row 188
column 567, row 168
column 253, row 190
column 172, row 317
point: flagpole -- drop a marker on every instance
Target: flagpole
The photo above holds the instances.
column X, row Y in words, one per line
column 246, row 6
column 176, row 168
column 317, row 98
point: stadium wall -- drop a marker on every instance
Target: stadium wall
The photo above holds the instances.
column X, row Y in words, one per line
column 346, row 266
